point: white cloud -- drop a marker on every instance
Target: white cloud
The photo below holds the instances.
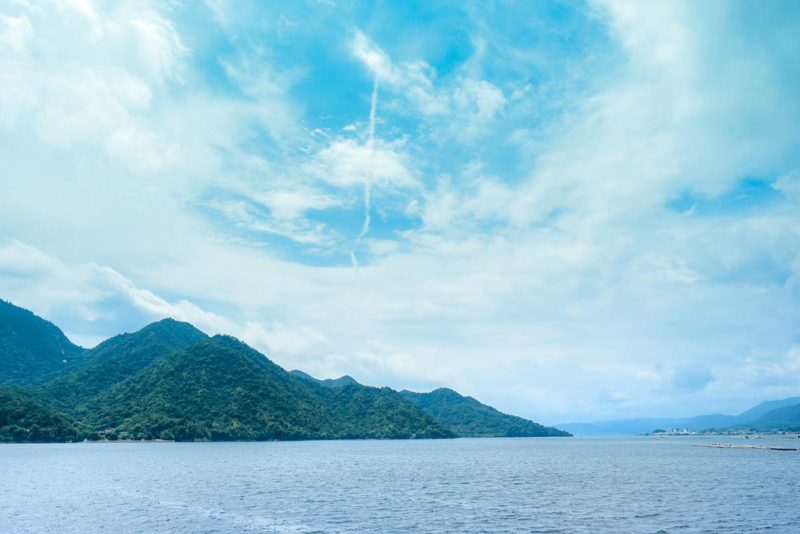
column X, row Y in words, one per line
column 15, row 34
column 467, row 205
column 570, row 291
column 278, row 338
column 465, row 105
column 85, row 7
column 347, row 163
column 274, row 111
column 286, row 216
column 789, row 185
column 81, row 293
column 160, row 46
column 780, row 374
column 376, row 60
column 479, row 100
column 32, row 277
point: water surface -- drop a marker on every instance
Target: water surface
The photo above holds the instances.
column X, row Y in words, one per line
column 464, row 485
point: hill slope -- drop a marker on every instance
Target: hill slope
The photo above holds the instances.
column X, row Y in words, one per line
column 784, row 418
column 464, row 415
column 26, row 419
column 171, row 381
column 221, row 389
column 31, row 348
column 763, row 408
column 469, row 418
column 118, row 358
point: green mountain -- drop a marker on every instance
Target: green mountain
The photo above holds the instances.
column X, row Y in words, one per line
column 221, row 389
column 118, row 358
column 469, row 418
column 26, row 419
column 31, row 348
column 300, row 374
column 464, row 415
column 171, row 381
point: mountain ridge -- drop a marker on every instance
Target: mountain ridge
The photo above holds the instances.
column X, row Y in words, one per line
column 470, row 418
column 118, row 357
column 344, row 380
column 222, row 389
column 169, row 380
column 32, row 349
column 465, row 415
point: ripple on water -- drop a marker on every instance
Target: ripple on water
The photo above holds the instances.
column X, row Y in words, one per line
column 490, row 485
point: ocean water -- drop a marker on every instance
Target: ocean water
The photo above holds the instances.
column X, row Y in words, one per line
column 465, row 485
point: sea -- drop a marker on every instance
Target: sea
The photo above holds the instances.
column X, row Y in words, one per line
column 593, row 485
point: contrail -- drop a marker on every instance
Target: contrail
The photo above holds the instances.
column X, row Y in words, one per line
column 368, row 177
column 372, row 111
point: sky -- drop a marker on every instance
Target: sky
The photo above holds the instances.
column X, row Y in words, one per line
column 570, row 210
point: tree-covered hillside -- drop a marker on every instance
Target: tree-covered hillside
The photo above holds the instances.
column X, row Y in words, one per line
column 464, row 415
column 221, row 389
column 118, row 358
column 171, row 381
column 31, row 348
column 469, row 418
column 28, row 420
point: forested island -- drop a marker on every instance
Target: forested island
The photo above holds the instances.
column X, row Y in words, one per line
column 170, row 381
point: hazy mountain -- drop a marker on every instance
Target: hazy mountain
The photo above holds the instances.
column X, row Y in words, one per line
column 708, row 422
column 31, row 348
column 646, row 425
column 784, row 418
column 764, row 408
column 619, row 426
column 755, row 417
column 469, row 418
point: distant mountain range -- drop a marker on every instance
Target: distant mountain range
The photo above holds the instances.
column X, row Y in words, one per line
column 171, row 381
column 772, row 415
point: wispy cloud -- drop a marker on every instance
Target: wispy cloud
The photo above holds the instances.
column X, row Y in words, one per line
column 558, row 215
column 462, row 104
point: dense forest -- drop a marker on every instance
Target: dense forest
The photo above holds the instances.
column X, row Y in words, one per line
column 221, row 389
column 170, row 381
column 32, row 350
column 469, row 418
column 465, row 416
column 28, row 420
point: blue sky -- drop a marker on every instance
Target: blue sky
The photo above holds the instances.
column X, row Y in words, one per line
column 570, row 210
